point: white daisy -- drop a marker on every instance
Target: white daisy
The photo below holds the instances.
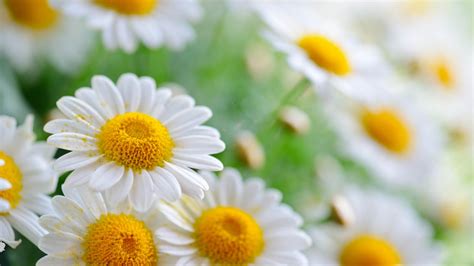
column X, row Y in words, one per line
column 238, row 223
column 26, row 176
column 131, row 140
column 388, row 134
column 125, row 23
column 316, row 46
column 32, row 32
column 386, row 231
column 85, row 230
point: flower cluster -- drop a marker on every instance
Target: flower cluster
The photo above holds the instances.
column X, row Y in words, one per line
column 357, row 116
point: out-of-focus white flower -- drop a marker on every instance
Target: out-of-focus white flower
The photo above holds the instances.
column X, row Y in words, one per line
column 237, row 223
column 26, row 177
column 31, row 32
column 317, row 46
column 388, row 134
column 135, row 142
column 386, row 231
column 126, row 23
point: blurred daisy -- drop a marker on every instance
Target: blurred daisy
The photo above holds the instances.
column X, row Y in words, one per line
column 316, row 47
column 131, row 140
column 238, row 223
column 389, row 135
column 85, row 230
column 32, row 31
column 26, row 176
column 374, row 238
column 125, row 23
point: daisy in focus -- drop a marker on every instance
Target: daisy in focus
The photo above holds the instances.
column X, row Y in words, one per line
column 318, row 48
column 126, row 23
column 374, row 238
column 26, row 177
column 85, row 230
column 390, row 136
column 32, row 32
column 133, row 141
column 237, row 223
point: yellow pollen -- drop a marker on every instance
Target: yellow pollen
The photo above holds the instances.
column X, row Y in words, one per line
column 129, row 7
column 326, row 54
column 228, row 236
column 136, row 140
column 388, row 129
column 444, row 74
column 10, row 172
column 119, row 239
column 34, row 14
column 367, row 250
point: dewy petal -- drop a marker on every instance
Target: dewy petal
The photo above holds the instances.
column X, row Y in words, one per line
column 106, row 176
column 142, row 193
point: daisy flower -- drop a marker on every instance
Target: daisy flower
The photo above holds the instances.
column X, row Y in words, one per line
column 133, row 141
column 85, row 230
column 125, row 23
column 387, row 134
column 375, row 238
column 31, row 31
column 316, row 47
column 26, row 176
column 238, row 223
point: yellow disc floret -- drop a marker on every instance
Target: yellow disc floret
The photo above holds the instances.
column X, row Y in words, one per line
column 136, row 140
column 228, row 236
column 326, row 54
column 129, row 7
column 10, row 172
column 367, row 250
column 388, row 129
column 34, row 14
column 119, row 239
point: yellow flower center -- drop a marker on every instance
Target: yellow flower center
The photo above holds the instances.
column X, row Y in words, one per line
column 326, row 54
column 129, row 7
column 443, row 73
column 136, row 140
column 34, row 14
column 10, row 172
column 367, row 250
column 388, row 129
column 119, row 239
column 228, row 236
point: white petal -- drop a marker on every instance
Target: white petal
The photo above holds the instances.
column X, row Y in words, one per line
column 6, row 233
column 186, row 175
column 73, row 142
column 26, row 222
column 166, row 184
column 106, row 176
column 39, row 203
column 125, row 37
column 176, row 105
column 68, row 125
column 4, row 184
column 148, row 95
column 109, row 94
column 80, row 111
column 174, row 217
column 61, row 244
column 198, row 161
column 177, row 250
column 74, row 160
column 80, row 176
column 121, row 190
column 199, row 131
column 53, row 261
column 199, row 145
column 287, row 240
column 142, row 194
column 4, row 205
column 129, row 86
column 188, row 119
column 174, row 237
column 70, row 211
column 230, row 187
